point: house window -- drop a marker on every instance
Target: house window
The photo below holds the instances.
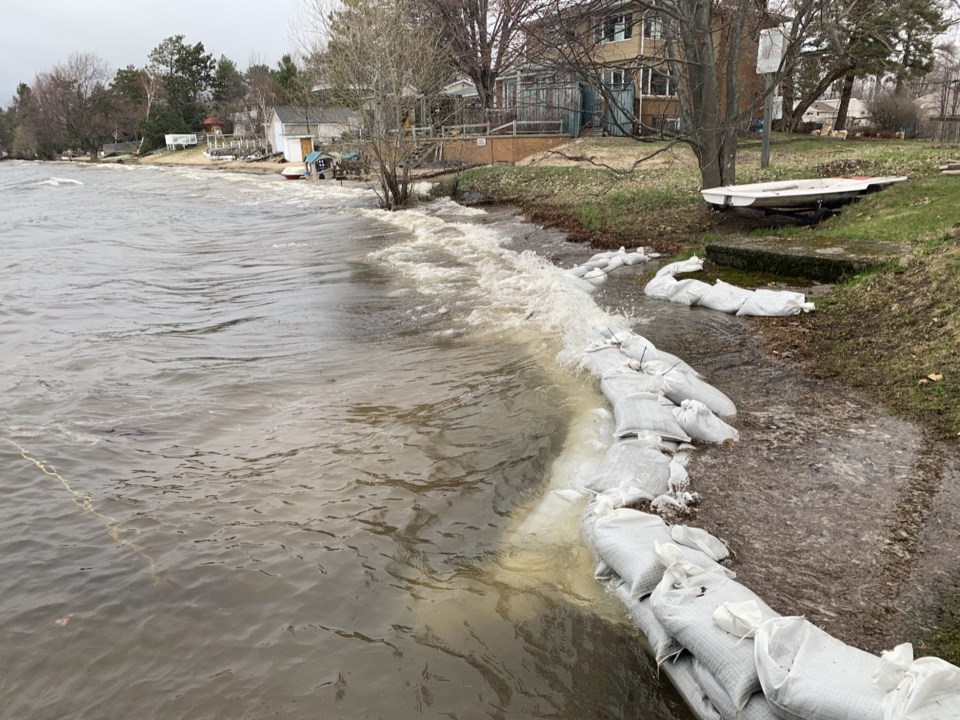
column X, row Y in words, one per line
column 614, row 28
column 655, row 82
column 616, row 77
column 652, row 26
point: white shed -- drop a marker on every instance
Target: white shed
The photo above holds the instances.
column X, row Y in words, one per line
column 292, row 129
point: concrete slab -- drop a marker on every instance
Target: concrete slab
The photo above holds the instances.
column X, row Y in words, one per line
column 816, row 258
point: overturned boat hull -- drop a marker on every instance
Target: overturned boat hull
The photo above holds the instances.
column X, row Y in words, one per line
column 788, row 194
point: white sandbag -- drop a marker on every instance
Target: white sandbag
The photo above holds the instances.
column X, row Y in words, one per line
column 701, row 540
column 596, row 276
column 578, row 271
column 699, row 422
column 632, row 462
column 627, row 540
column 634, row 258
column 663, row 646
column 921, row 689
column 725, row 297
column 689, row 291
column 612, row 264
column 642, row 350
column 694, row 264
column 806, row 673
column 757, row 707
column 680, row 386
column 604, row 360
column 775, row 303
column 680, row 672
column 661, row 287
column 625, row 382
column 684, row 602
column 644, row 412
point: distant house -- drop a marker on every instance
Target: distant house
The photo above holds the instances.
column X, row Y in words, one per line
column 294, row 130
column 824, row 112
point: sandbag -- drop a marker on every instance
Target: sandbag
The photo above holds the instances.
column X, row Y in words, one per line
column 689, row 291
column 699, row 422
column 626, row 540
column 620, row 384
column 680, row 386
column 806, row 673
column 604, row 359
column 757, row 707
column 680, row 672
column 644, row 412
column 693, row 264
column 775, row 303
column 632, row 462
column 684, row 603
column 921, row 689
column 663, row 646
column 725, row 297
column 701, row 540
column 661, row 287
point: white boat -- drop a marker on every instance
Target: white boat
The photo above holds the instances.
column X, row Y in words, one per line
column 293, row 173
column 797, row 193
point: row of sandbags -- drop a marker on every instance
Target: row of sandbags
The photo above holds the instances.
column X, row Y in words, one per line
column 592, row 273
column 727, row 652
column 731, row 656
column 722, row 296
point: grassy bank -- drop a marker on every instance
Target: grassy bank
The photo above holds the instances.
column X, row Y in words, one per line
column 893, row 333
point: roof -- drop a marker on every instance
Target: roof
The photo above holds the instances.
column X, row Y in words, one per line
column 212, row 120
column 315, row 155
column 294, row 114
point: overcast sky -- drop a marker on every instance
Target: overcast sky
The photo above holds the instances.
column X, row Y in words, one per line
column 35, row 35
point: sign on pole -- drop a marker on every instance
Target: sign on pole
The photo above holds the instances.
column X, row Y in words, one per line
column 773, row 45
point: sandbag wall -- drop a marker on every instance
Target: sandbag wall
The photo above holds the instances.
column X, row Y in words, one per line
column 728, row 653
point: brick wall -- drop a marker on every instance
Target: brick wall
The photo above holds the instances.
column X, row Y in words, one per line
column 498, row 150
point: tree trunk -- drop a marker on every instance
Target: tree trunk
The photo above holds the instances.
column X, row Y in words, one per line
column 844, row 106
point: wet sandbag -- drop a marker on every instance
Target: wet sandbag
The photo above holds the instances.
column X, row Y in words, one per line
column 633, row 462
column 646, row 412
column 693, row 264
column 701, row 540
column 807, row 673
column 699, row 422
column 663, row 646
column 680, row 673
column 775, row 303
column 604, row 359
column 689, row 291
column 684, row 603
column 757, row 707
column 921, row 689
column 637, row 347
column 680, row 386
column 661, row 287
column 627, row 540
column 724, row 297
column 620, row 384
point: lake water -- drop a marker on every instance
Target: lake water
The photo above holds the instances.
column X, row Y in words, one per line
column 268, row 452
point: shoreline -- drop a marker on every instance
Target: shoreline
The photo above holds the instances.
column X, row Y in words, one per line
column 880, row 576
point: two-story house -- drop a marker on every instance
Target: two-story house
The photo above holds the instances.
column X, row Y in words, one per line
column 613, row 66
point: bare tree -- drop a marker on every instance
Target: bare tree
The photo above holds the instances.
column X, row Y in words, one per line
column 484, row 37
column 384, row 67
column 697, row 52
column 75, row 102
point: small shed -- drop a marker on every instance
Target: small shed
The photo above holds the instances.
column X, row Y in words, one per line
column 212, row 124
column 289, row 128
